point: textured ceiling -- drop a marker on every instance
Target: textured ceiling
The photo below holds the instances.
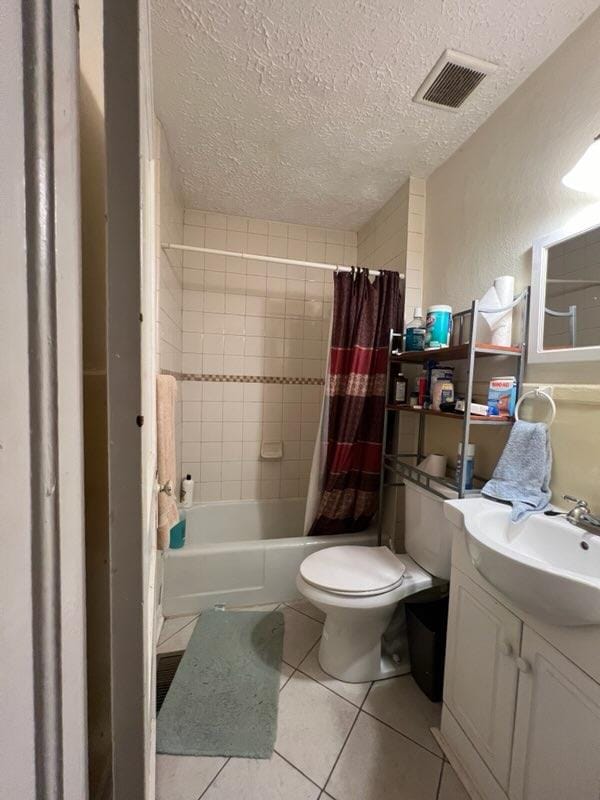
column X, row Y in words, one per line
column 300, row 110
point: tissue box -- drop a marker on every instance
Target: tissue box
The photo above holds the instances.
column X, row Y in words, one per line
column 502, row 397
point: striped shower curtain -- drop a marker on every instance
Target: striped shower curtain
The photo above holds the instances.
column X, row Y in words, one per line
column 354, row 403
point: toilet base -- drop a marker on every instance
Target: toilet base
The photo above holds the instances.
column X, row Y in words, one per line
column 352, row 648
column 387, row 667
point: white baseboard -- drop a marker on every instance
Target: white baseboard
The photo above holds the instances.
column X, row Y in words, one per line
column 456, row 765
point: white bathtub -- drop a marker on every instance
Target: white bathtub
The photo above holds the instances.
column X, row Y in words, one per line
column 242, row 553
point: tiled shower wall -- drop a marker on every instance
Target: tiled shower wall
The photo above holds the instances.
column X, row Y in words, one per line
column 254, row 347
column 394, row 238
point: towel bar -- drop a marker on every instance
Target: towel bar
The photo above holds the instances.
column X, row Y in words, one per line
column 545, row 394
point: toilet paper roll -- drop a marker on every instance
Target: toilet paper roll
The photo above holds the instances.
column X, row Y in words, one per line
column 434, row 464
column 496, row 326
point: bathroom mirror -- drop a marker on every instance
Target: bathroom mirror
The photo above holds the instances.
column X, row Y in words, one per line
column 565, row 295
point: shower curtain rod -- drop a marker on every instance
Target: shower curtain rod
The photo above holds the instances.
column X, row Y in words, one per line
column 273, row 259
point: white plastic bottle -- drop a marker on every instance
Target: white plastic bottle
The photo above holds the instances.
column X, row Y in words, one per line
column 187, row 491
column 415, row 332
column 469, row 464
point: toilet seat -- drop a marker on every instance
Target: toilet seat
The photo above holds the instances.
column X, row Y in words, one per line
column 353, row 571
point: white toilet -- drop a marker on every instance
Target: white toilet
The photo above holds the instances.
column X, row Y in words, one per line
column 358, row 588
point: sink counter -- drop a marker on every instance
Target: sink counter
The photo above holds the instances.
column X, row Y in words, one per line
column 581, row 642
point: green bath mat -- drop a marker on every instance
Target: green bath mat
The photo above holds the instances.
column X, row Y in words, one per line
column 223, row 699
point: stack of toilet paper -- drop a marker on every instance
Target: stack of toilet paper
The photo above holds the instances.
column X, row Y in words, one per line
column 498, row 324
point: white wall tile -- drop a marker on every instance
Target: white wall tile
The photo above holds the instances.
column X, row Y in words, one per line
column 231, row 490
column 210, row 492
column 213, row 392
column 235, row 304
column 258, row 226
column 210, row 451
column 212, row 364
column 232, row 451
column 215, row 239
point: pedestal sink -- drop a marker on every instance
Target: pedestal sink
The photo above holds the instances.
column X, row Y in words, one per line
column 544, row 565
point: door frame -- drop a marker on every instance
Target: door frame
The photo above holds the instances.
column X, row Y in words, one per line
column 125, row 417
column 43, row 750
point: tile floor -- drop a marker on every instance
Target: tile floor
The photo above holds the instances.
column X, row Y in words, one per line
column 335, row 741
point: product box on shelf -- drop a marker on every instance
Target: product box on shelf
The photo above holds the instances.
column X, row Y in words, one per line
column 502, row 396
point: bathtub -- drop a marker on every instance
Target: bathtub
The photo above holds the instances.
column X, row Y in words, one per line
column 242, row 553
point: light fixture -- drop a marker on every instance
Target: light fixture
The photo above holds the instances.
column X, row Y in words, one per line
column 585, row 175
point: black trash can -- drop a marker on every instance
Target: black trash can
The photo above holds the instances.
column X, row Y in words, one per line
column 427, row 623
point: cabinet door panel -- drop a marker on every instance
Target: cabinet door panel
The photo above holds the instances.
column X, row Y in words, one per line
column 556, row 751
column 481, row 676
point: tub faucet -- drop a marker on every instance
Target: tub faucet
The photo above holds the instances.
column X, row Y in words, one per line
column 581, row 516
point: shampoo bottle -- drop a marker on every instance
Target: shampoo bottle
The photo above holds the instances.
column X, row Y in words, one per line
column 187, row 491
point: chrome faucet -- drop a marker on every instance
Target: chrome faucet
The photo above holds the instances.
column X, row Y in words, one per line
column 581, row 516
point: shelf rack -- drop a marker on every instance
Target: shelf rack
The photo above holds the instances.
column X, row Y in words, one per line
column 394, row 464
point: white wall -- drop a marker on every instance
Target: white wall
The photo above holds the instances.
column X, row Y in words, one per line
column 254, row 347
column 500, row 191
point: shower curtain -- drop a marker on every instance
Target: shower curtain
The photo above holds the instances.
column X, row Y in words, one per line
column 344, row 484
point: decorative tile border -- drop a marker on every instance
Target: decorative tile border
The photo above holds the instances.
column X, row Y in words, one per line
column 214, row 378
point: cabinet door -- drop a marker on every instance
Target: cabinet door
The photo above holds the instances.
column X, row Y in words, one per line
column 556, row 752
column 480, row 686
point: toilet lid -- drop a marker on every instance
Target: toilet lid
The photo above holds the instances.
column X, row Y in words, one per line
column 352, row 569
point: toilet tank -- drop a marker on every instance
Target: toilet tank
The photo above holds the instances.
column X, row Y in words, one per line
column 427, row 532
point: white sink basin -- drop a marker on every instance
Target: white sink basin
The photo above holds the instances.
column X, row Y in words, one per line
column 545, row 565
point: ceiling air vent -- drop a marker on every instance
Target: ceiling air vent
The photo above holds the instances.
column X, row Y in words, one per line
column 452, row 80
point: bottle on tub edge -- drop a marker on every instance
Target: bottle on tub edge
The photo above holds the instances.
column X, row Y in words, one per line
column 187, row 491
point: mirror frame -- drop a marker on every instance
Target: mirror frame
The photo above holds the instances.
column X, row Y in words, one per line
column 537, row 354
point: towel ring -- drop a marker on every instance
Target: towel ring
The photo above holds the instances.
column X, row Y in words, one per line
column 542, row 393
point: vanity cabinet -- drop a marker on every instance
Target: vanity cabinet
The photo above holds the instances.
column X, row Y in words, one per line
column 556, row 752
column 520, row 718
column 481, row 675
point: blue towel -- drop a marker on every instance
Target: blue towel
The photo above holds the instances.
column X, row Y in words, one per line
column 522, row 475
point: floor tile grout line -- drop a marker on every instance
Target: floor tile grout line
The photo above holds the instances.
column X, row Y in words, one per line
column 321, row 622
column 287, row 761
column 324, row 685
column 439, row 788
column 289, row 678
column 304, row 614
column 339, row 755
column 162, row 641
column 406, row 736
column 215, row 778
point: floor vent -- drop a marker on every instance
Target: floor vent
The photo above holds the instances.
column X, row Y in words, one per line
column 166, row 667
column 452, row 80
